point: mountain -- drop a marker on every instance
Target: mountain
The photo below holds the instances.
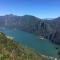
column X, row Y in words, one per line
column 11, row 50
column 49, row 29
column 55, row 35
column 27, row 23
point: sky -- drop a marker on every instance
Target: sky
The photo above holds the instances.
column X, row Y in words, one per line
column 38, row 8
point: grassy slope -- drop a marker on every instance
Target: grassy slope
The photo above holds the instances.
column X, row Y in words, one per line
column 10, row 50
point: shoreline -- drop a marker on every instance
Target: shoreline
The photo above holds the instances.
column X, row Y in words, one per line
column 45, row 56
column 50, row 57
column 10, row 37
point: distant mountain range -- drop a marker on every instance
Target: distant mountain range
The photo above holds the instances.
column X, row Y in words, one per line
column 49, row 29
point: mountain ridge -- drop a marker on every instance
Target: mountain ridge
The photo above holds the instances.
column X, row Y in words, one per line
column 49, row 29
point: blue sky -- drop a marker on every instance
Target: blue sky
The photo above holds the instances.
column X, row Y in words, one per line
column 38, row 8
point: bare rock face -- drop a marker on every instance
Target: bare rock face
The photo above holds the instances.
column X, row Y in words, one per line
column 49, row 29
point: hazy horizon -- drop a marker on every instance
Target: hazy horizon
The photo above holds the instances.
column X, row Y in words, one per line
column 38, row 8
column 31, row 15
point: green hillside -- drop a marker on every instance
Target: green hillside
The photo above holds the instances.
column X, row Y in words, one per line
column 10, row 50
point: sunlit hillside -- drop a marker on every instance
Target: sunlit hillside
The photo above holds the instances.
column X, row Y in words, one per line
column 10, row 50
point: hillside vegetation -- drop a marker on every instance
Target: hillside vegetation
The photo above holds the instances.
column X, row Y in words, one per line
column 10, row 50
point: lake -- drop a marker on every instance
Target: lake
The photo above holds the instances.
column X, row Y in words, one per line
column 43, row 46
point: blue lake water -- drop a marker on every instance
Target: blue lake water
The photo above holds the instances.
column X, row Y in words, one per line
column 43, row 46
